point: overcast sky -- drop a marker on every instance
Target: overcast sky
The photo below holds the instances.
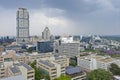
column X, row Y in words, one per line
column 76, row 17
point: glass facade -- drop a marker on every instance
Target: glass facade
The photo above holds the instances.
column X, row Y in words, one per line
column 44, row 47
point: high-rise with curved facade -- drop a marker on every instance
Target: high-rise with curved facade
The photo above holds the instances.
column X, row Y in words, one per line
column 46, row 34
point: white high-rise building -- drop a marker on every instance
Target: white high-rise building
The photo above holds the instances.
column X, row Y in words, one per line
column 46, row 34
column 22, row 26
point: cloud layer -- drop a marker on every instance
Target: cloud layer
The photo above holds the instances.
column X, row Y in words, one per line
column 74, row 17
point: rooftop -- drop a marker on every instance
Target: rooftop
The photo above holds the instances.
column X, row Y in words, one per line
column 18, row 77
column 47, row 63
column 26, row 66
column 57, row 58
column 14, row 69
column 72, row 70
column 106, row 60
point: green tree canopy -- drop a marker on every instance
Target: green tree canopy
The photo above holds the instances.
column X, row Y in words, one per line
column 64, row 77
column 115, row 69
column 100, row 74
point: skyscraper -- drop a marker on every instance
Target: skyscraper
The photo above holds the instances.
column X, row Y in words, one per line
column 22, row 26
column 46, row 34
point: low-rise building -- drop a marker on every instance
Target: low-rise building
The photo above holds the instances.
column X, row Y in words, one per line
column 11, row 55
column 92, row 62
column 27, row 71
column 75, row 73
column 54, row 66
column 17, row 69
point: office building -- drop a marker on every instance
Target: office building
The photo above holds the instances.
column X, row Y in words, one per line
column 12, row 70
column 92, row 62
column 54, row 66
column 22, row 26
column 67, row 46
column 46, row 34
column 45, row 46
column 11, row 55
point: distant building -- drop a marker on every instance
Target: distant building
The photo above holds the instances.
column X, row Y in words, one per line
column 2, row 48
column 34, row 39
column 22, row 26
column 44, row 46
column 76, row 38
column 16, row 48
column 46, row 34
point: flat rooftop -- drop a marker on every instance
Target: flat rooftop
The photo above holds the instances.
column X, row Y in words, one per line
column 47, row 63
column 98, row 58
column 14, row 69
column 18, row 77
column 26, row 66
column 73, row 70
column 106, row 60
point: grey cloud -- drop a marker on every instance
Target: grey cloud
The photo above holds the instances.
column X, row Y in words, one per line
column 89, row 16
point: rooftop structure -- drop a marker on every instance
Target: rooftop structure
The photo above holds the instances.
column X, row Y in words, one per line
column 76, row 73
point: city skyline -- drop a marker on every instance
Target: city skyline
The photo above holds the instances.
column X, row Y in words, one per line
column 63, row 17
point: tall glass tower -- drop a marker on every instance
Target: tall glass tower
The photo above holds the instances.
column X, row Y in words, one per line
column 22, row 26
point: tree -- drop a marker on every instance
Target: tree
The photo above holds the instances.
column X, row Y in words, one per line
column 115, row 69
column 73, row 61
column 100, row 74
column 64, row 77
